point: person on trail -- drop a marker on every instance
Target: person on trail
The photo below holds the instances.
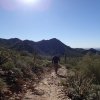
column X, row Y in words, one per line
column 55, row 61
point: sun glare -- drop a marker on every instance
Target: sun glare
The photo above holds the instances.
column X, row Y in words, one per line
column 29, row 2
column 39, row 5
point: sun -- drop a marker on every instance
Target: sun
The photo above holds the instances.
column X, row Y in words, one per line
column 33, row 5
column 29, row 2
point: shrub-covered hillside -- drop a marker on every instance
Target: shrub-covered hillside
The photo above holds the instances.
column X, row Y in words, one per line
column 83, row 79
column 18, row 72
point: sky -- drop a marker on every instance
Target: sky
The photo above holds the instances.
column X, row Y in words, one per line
column 75, row 22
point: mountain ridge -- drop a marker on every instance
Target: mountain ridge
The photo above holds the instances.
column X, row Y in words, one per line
column 44, row 47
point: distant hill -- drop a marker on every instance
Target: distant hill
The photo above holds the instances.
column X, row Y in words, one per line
column 97, row 49
column 45, row 47
column 88, row 51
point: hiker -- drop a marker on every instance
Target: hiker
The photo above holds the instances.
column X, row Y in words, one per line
column 55, row 61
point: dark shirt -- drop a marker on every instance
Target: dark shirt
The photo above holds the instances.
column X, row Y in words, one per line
column 55, row 59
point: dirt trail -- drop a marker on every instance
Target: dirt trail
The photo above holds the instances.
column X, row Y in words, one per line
column 48, row 89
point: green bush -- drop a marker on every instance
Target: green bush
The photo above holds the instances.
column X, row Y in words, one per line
column 8, row 66
column 80, row 87
column 90, row 65
column 18, row 73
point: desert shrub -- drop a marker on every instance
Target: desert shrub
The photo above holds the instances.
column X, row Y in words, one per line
column 8, row 65
column 91, row 66
column 42, row 63
column 25, row 53
column 21, row 64
column 18, row 73
column 80, row 87
column 3, row 57
column 72, row 61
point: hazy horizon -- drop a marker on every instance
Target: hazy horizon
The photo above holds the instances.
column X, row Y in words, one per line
column 74, row 22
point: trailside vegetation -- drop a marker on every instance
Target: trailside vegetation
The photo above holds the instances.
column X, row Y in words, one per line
column 83, row 77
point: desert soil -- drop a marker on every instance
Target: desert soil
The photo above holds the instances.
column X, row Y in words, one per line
column 49, row 88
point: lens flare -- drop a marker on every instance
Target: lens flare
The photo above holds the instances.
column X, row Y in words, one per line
column 29, row 2
column 26, row 5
